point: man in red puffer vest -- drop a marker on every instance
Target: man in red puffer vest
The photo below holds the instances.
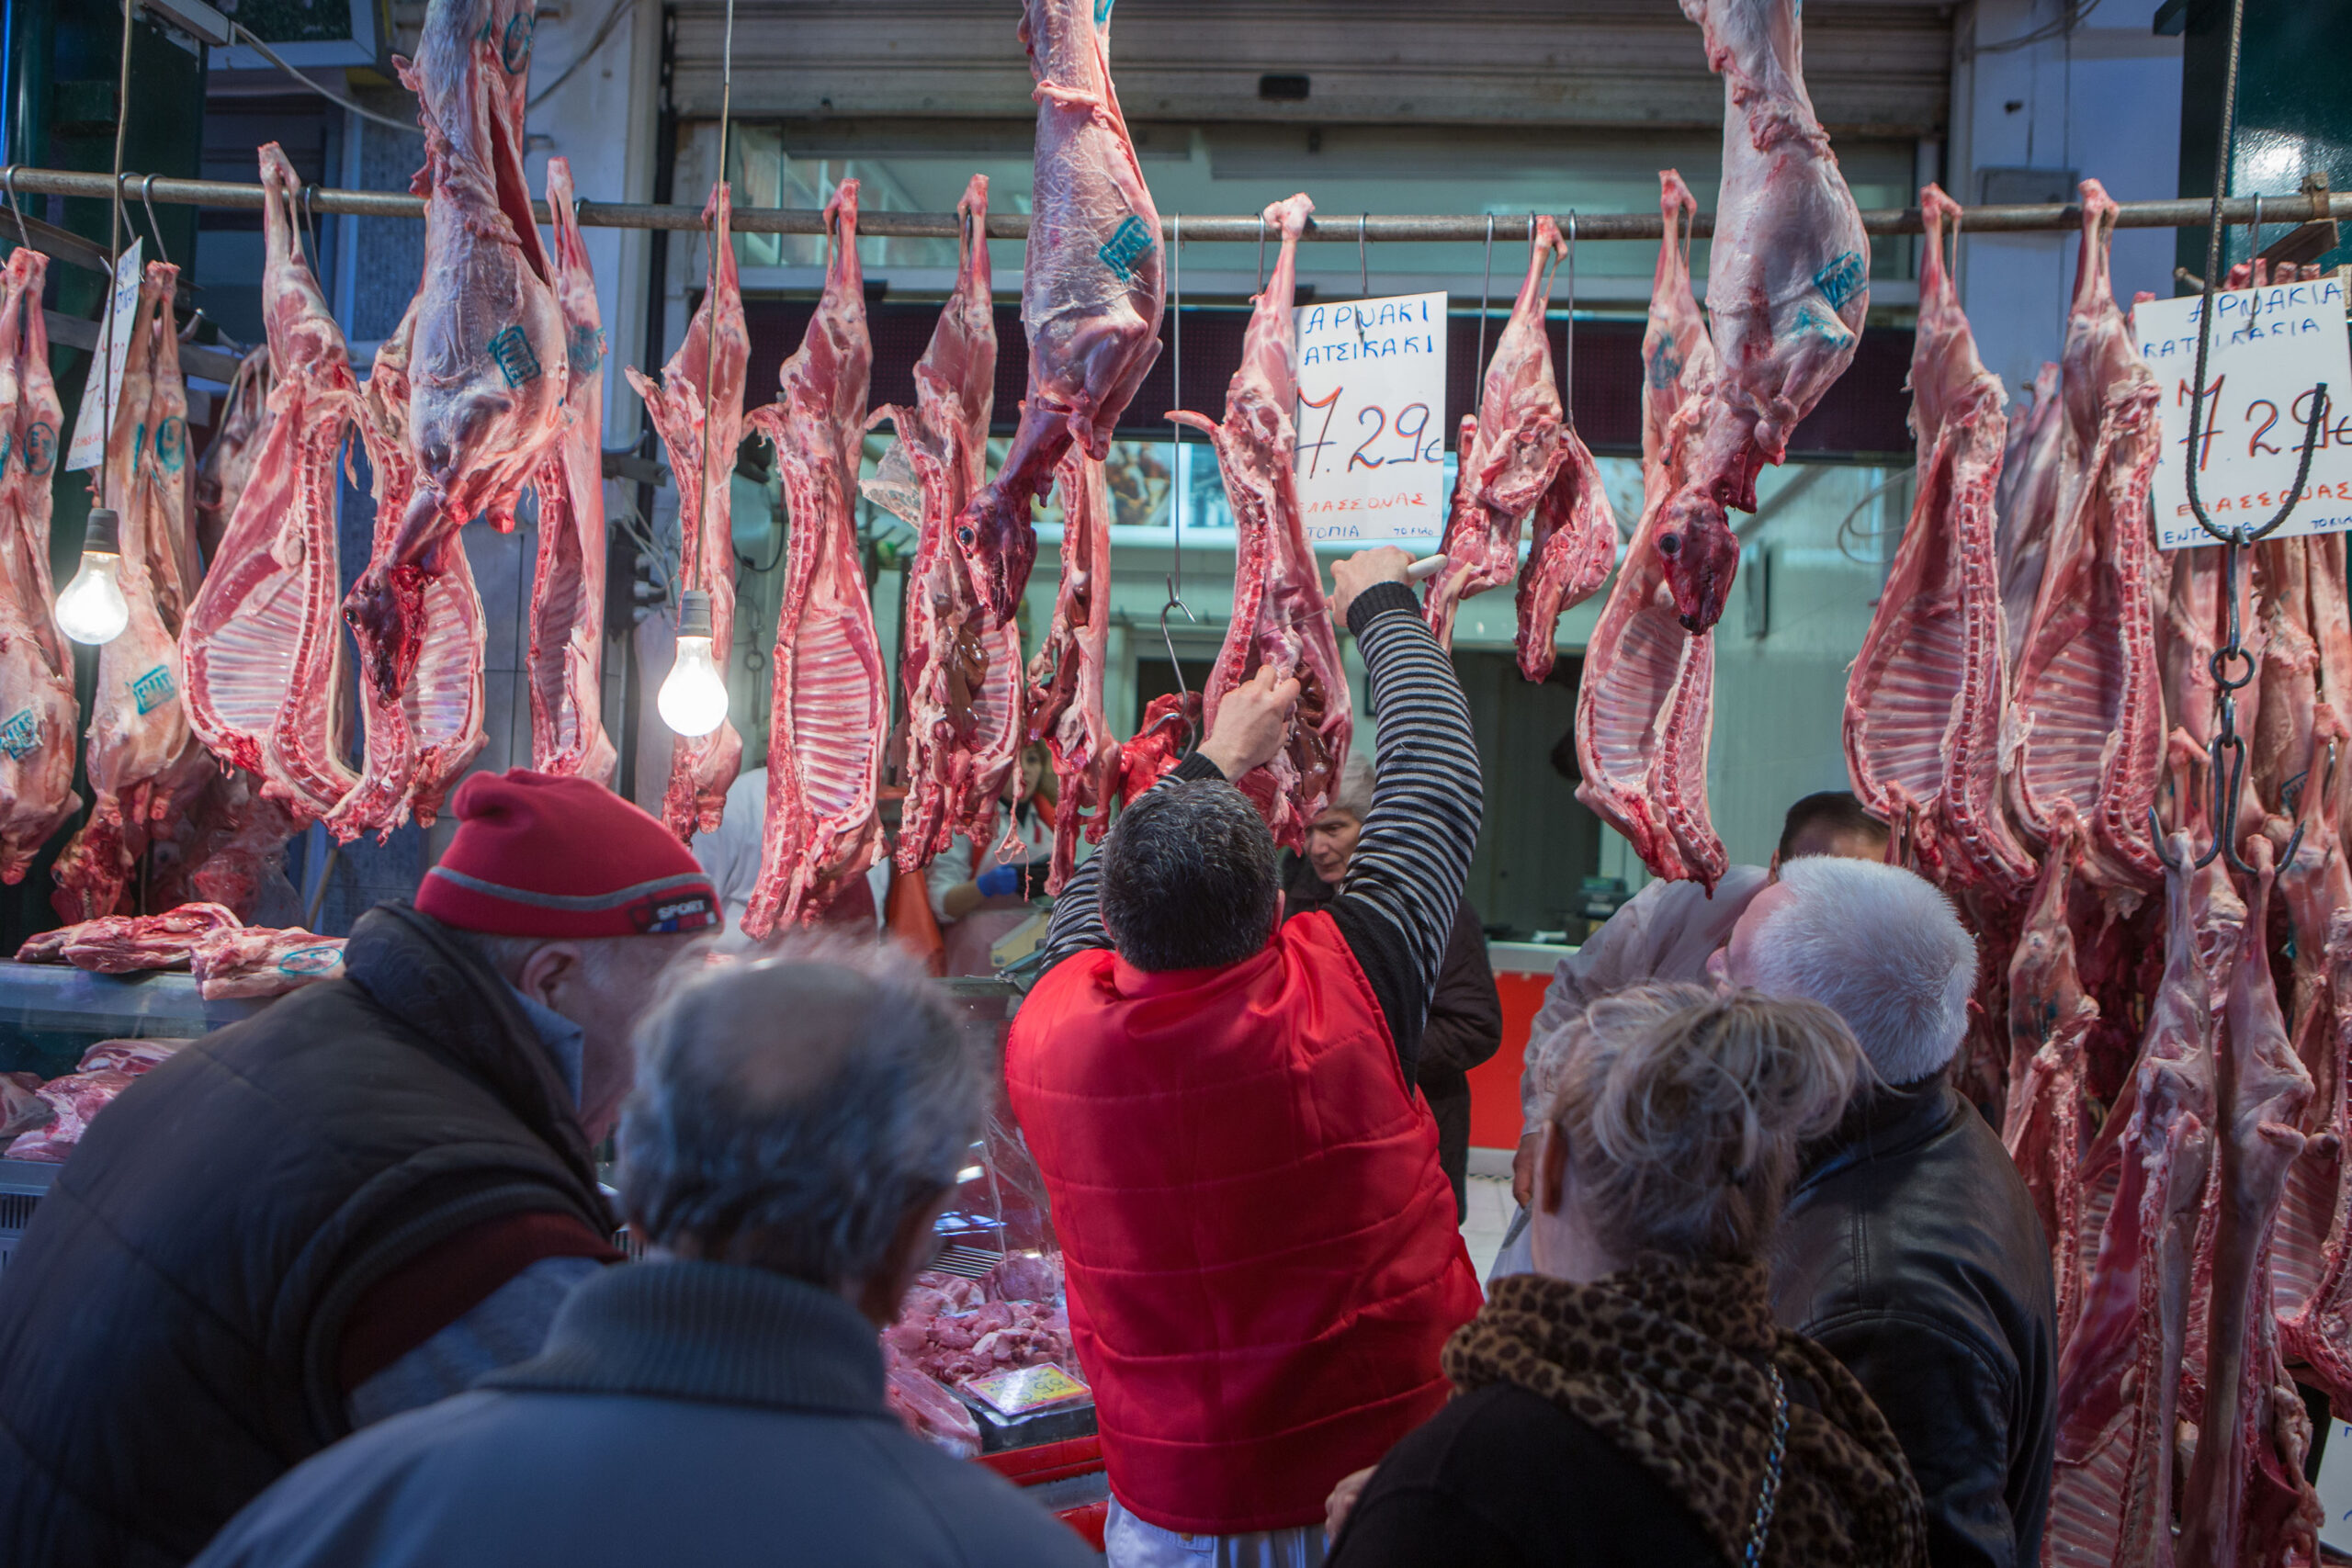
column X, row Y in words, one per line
column 1260, row 1247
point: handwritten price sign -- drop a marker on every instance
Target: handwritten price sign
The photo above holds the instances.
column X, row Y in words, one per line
column 1372, row 418
column 2271, row 348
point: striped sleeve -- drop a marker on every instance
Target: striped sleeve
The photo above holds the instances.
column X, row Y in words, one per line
column 1404, row 881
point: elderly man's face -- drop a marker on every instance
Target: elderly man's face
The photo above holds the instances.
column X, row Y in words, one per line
column 1331, row 842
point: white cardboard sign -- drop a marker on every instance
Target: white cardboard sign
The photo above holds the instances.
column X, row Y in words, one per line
column 89, row 448
column 2271, row 346
column 1371, row 423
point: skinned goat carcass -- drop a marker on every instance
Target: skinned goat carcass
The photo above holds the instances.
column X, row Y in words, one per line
column 567, row 657
column 2309, row 1251
column 263, row 647
column 1093, row 287
column 1279, row 615
column 229, row 459
column 1646, row 705
column 2049, row 1016
column 482, row 371
column 141, row 750
column 1513, row 451
column 2027, row 502
column 961, row 665
column 1924, row 699
column 1788, row 285
column 126, row 944
column 2118, row 1369
column 262, row 960
column 1066, row 678
column 2085, row 722
column 699, row 409
column 37, row 706
column 830, row 703
column 2244, row 1500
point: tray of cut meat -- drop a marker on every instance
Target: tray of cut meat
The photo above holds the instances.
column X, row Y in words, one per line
column 52, row 1013
column 962, row 1336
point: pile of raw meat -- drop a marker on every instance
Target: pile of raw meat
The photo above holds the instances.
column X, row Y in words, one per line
column 228, row 958
column 953, row 1329
column 2166, row 1046
column 43, row 1122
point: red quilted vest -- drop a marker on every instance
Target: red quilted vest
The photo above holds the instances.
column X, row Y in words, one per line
column 1262, row 1251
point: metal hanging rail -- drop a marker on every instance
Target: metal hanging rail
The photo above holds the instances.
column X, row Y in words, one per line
column 2315, row 206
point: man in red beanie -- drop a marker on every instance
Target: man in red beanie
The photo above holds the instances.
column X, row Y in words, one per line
column 354, row 1202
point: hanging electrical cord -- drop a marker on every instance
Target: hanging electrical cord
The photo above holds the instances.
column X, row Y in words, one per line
column 2073, row 18
column 710, row 296
column 612, row 19
column 1568, row 352
column 238, row 28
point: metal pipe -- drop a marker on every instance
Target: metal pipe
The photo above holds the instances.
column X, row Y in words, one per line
column 1641, row 226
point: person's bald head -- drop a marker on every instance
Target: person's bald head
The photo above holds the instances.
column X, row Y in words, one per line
column 804, row 1112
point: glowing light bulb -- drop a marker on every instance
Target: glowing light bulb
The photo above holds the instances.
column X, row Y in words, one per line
column 692, row 701
column 92, row 608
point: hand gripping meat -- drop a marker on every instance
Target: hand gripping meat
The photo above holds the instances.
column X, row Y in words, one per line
column 830, row 702
column 37, row 706
column 2245, row 1499
column 1066, row 678
column 961, row 665
column 1092, row 288
column 2118, row 1368
column 1646, row 705
column 1924, row 699
column 263, row 647
column 140, row 744
column 1515, row 452
column 229, row 459
column 1279, row 615
column 701, row 439
column 2084, row 721
column 1788, row 284
column 484, row 363
column 567, row 655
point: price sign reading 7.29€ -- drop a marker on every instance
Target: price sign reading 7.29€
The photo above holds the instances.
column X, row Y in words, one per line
column 1372, row 418
column 2272, row 348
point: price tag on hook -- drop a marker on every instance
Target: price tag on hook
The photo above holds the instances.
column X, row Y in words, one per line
column 89, row 447
column 1372, row 418
column 2271, row 347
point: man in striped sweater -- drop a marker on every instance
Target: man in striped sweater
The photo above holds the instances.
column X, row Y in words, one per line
column 1260, row 1246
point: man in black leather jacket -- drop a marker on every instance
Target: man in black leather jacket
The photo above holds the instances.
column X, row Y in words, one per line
column 1910, row 1249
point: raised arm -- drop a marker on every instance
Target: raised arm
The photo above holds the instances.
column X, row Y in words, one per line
column 1404, row 885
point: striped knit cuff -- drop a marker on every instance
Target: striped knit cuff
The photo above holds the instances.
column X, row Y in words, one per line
column 1378, row 598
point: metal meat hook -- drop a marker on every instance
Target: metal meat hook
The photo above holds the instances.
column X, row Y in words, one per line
column 1183, row 691
column 8, row 183
column 1568, row 355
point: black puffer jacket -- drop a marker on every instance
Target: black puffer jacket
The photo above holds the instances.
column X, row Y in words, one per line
column 1910, row 1249
column 169, row 1326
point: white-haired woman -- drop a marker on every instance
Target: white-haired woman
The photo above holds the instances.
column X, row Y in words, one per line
column 1465, row 1021
column 1633, row 1401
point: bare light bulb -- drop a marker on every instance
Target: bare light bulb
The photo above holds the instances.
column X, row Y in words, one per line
column 92, row 608
column 692, row 701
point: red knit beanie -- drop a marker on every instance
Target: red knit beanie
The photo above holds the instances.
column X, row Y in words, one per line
column 539, row 855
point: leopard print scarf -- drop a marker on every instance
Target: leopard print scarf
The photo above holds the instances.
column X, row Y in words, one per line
column 1666, row 1360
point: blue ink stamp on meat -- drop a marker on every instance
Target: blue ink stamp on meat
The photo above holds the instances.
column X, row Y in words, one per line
column 514, row 51
column 153, row 689
column 41, row 448
column 1127, row 244
column 20, row 736
column 1840, row 281
column 516, row 360
column 324, row 959
column 171, row 444
column 584, row 349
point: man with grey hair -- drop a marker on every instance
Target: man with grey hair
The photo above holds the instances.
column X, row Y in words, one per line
column 1910, row 1249
column 798, row 1125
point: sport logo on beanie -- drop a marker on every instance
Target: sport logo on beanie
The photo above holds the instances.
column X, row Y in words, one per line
column 664, row 914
